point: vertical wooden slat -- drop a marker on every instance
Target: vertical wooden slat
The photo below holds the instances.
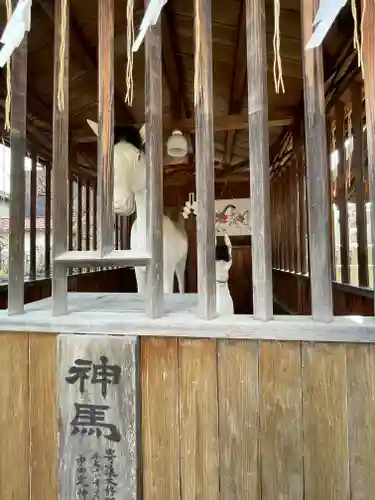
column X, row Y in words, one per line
column 259, row 158
column 43, row 416
column 199, row 429
column 60, row 161
column 273, row 224
column 47, row 234
column 281, row 434
column 117, row 231
column 368, row 34
column 106, row 122
column 14, row 416
column 358, row 169
column 70, row 212
column 287, row 221
column 17, row 178
column 160, row 419
column 301, row 204
column 282, row 222
column 204, row 152
column 155, row 157
column 325, row 422
column 238, row 420
column 294, row 215
column 317, row 172
column 341, row 192
column 32, row 198
column 88, row 216
column 330, row 201
column 279, row 222
column 95, row 218
column 79, row 214
column 116, row 401
column 361, row 408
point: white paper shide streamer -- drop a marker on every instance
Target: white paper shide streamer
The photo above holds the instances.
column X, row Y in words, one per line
column 15, row 30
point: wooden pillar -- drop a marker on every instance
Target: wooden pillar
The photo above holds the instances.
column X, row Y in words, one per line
column 17, row 178
column 259, row 158
column 33, row 198
column 204, row 151
column 70, row 212
column 155, row 157
column 369, row 79
column 317, row 172
column 60, row 163
column 106, row 123
column 79, row 215
column 359, row 176
column 47, row 233
column 342, row 202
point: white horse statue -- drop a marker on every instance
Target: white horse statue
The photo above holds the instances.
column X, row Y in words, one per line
column 130, row 195
column 223, row 263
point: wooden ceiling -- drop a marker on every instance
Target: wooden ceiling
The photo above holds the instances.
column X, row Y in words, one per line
column 229, row 78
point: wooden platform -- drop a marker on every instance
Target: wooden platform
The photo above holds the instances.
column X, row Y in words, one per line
column 126, row 314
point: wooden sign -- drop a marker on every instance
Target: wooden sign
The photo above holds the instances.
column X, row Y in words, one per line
column 97, row 418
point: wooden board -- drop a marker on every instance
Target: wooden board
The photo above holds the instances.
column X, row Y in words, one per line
column 97, row 442
column 43, row 416
column 361, row 408
column 14, row 416
column 326, row 457
column 199, row 430
column 160, row 419
column 280, row 388
column 238, row 420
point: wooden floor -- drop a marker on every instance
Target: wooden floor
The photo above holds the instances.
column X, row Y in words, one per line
column 125, row 313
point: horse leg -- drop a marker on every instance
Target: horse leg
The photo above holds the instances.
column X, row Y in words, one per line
column 140, row 273
column 168, row 279
column 180, row 273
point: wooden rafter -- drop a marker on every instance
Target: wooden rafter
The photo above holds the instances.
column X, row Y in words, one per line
column 88, row 57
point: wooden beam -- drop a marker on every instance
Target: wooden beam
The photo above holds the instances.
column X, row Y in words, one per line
column 369, row 86
column 154, row 154
column 204, row 150
column 60, row 166
column 359, row 182
column 259, row 159
column 17, row 178
column 317, row 172
column 106, row 124
column 278, row 118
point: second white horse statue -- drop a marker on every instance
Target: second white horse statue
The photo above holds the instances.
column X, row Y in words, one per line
column 223, row 263
column 130, row 195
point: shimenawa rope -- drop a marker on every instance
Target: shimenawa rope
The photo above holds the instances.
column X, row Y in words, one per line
column 129, row 41
column 277, row 66
column 60, row 85
column 8, row 99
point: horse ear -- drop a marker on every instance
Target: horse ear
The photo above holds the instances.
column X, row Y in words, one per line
column 142, row 133
column 94, row 127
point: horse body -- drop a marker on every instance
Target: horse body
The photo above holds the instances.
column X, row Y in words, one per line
column 130, row 194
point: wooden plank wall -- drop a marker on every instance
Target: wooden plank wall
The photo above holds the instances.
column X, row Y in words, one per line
column 220, row 419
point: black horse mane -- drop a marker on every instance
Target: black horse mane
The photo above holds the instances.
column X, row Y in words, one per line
column 130, row 134
column 221, row 250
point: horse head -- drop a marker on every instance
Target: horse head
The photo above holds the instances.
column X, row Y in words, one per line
column 223, row 258
column 128, row 165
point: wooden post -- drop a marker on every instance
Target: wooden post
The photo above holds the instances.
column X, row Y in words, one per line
column 342, row 202
column 88, row 214
column 369, row 79
column 317, row 172
column 95, row 218
column 106, row 123
column 60, row 165
column 204, row 152
column 47, row 234
column 17, row 179
column 358, row 168
column 259, row 158
column 33, row 198
column 154, row 155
